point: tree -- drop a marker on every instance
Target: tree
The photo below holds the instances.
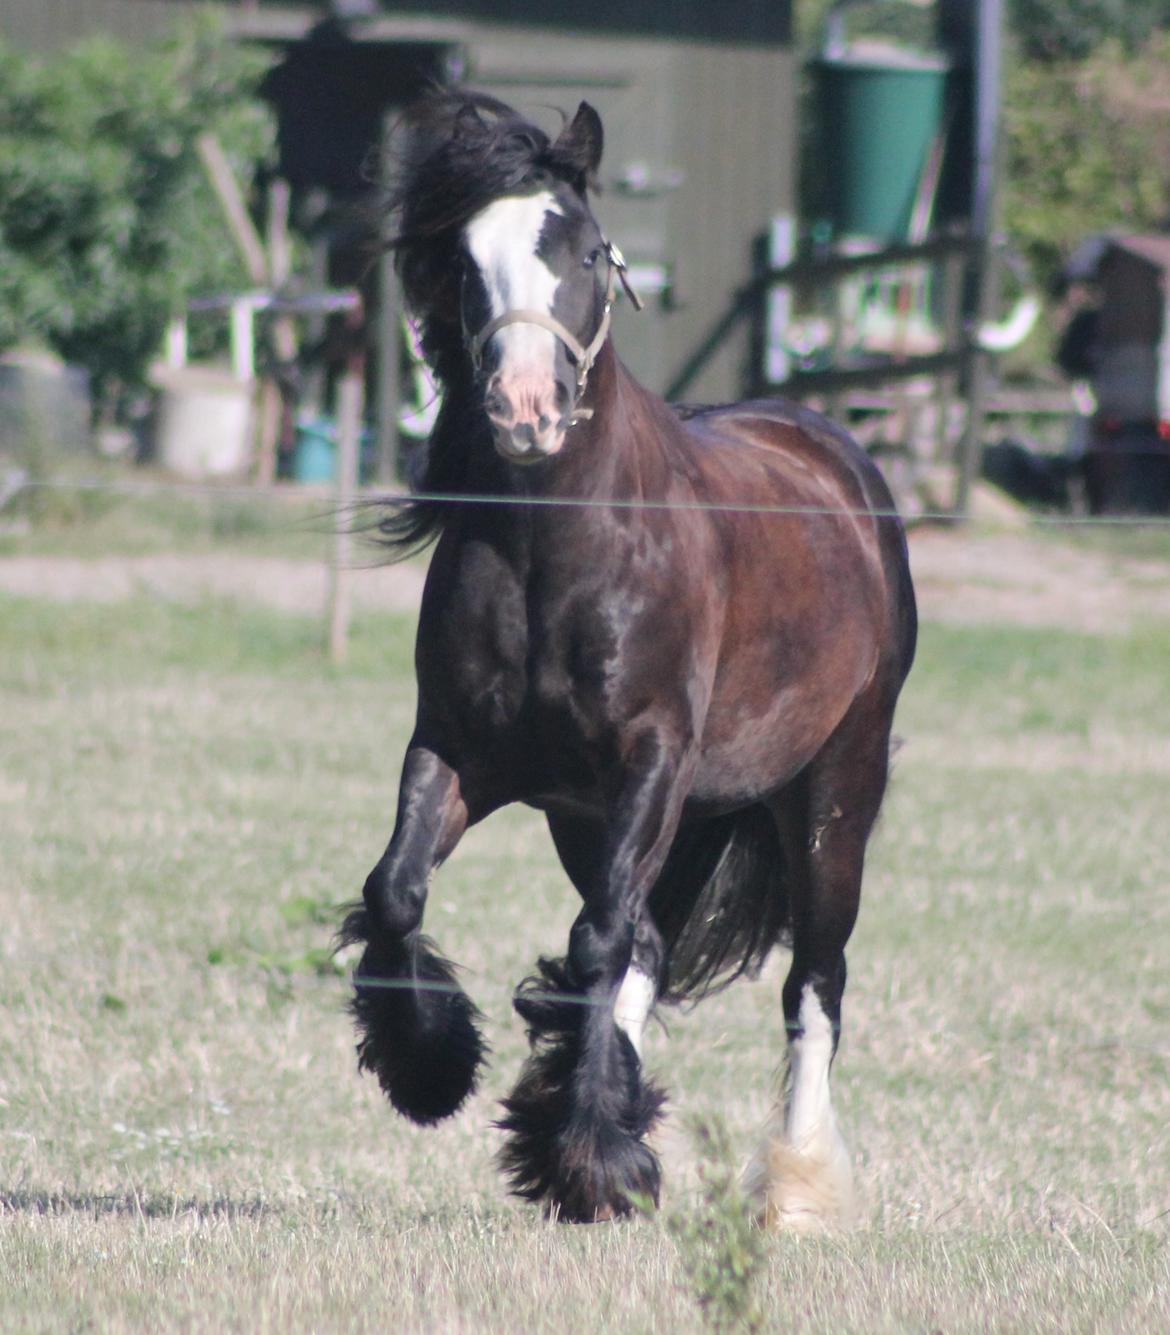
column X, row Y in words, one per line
column 1058, row 30
column 107, row 223
column 1087, row 148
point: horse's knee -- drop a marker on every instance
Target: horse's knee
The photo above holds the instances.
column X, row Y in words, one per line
column 395, row 906
column 599, row 949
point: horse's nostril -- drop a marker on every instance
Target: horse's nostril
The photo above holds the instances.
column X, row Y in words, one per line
column 543, row 423
column 495, row 404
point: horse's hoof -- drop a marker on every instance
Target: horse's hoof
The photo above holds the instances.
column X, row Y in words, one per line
column 796, row 1192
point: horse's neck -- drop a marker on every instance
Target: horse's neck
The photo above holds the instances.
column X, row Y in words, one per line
column 615, row 454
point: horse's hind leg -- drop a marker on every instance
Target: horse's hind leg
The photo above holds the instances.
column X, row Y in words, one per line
column 418, row 1030
column 802, row 1178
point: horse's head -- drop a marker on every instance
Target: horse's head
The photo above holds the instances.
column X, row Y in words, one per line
column 537, row 283
column 505, row 264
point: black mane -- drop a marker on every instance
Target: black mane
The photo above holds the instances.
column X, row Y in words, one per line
column 461, row 151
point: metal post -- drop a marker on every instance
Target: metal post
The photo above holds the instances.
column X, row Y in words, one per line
column 350, row 394
column 974, row 27
column 971, row 445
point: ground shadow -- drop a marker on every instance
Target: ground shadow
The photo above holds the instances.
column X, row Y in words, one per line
column 131, row 1204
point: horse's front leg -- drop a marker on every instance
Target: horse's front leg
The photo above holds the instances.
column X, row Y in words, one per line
column 578, row 1118
column 418, row 1030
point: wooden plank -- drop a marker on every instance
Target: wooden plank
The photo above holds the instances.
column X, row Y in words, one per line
column 349, row 424
column 227, row 191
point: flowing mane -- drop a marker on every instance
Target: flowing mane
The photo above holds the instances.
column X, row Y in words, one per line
column 462, row 151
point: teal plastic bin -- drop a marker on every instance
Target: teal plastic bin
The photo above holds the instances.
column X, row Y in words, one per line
column 878, row 119
column 315, row 452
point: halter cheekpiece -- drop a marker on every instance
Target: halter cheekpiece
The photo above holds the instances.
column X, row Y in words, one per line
column 583, row 356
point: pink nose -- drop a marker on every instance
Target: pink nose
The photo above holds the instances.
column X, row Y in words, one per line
column 524, row 417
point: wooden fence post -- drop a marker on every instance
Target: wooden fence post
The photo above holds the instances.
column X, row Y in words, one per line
column 350, row 394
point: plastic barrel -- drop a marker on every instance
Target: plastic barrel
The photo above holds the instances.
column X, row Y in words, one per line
column 315, row 455
column 878, row 118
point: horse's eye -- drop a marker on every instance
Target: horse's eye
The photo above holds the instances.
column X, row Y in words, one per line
column 591, row 259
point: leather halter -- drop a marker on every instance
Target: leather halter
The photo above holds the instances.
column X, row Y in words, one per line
column 583, row 356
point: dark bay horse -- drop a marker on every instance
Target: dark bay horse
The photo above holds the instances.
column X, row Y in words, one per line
column 690, row 667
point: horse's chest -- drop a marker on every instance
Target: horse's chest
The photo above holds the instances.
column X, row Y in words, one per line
column 571, row 681
column 494, row 668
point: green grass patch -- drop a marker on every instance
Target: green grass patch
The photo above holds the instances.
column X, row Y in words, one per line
column 187, row 792
column 139, row 638
column 106, row 512
column 1005, row 680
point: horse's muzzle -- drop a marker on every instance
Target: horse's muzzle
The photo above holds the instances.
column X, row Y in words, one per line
column 522, row 445
column 527, row 425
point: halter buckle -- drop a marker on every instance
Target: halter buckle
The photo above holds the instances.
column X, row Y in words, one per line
column 618, row 261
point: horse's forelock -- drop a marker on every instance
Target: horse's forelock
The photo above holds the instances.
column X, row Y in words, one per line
column 463, row 151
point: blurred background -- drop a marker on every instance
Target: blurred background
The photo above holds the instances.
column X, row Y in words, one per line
column 943, row 223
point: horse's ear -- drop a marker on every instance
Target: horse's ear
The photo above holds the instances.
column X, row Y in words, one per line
column 579, row 147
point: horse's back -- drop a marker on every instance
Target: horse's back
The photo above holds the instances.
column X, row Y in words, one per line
column 765, row 456
column 805, row 452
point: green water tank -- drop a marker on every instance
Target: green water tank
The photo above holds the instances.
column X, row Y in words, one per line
column 879, row 115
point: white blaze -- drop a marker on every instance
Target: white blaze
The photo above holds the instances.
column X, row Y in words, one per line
column 503, row 241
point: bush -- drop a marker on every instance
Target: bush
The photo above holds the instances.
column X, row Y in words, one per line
column 1086, row 149
column 107, row 223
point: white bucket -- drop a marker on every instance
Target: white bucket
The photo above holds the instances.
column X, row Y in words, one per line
column 204, row 422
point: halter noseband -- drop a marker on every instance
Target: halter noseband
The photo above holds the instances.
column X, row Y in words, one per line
column 583, row 357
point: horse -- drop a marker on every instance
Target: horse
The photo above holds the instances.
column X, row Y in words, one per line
column 678, row 634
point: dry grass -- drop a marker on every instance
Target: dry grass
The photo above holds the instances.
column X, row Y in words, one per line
column 184, row 1141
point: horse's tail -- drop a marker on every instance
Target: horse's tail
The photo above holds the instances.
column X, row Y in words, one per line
column 720, row 902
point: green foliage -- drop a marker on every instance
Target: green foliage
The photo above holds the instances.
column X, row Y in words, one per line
column 107, row 223
column 1072, row 29
column 722, row 1246
column 1086, row 149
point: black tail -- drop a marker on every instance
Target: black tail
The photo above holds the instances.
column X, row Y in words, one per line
column 418, row 1031
column 721, row 902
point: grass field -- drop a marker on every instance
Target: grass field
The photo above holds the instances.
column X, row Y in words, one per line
column 186, row 791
